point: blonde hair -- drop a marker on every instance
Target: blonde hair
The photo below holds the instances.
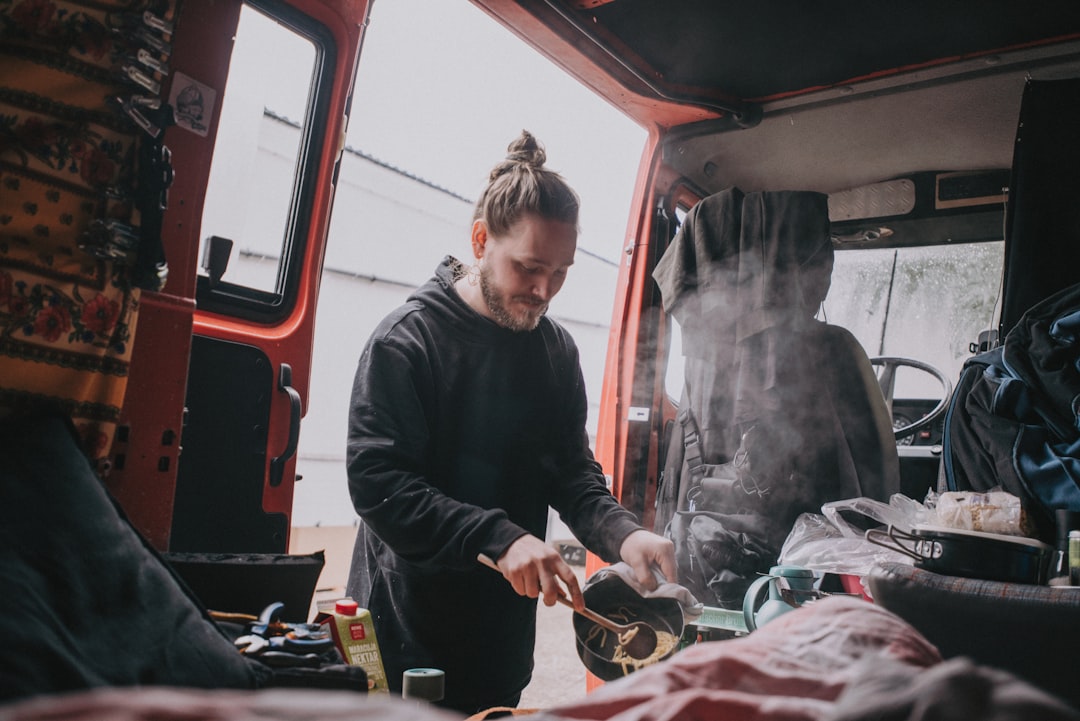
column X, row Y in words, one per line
column 520, row 184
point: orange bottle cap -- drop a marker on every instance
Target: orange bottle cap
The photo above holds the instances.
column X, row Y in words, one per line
column 346, row 607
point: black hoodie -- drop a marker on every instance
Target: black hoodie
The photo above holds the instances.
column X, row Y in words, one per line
column 461, row 434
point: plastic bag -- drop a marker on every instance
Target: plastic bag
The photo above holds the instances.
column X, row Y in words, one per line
column 900, row 512
column 834, row 541
column 995, row 511
column 816, row 543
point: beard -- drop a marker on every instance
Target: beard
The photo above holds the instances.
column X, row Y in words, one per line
column 525, row 319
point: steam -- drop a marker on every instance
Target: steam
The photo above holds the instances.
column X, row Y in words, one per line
column 744, row 277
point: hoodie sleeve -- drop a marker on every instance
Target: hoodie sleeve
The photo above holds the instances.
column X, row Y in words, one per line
column 581, row 495
column 387, row 451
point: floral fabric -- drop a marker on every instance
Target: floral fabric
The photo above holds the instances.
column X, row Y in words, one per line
column 67, row 159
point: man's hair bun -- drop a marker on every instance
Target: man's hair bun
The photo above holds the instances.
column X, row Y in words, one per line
column 521, row 184
column 526, row 151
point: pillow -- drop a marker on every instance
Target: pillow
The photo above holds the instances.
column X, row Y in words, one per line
column 85, row 601
column 1026, row 629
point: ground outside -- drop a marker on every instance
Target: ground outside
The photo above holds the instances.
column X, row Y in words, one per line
column 559, row 675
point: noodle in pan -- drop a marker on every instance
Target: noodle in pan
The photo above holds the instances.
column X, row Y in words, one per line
column 613, row 649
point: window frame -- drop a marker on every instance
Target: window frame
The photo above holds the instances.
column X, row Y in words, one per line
column 255, row 304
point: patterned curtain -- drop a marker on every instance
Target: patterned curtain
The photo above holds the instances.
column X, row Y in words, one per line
column 80, row 104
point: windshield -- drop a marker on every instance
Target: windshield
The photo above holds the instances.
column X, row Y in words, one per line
column 928, row 303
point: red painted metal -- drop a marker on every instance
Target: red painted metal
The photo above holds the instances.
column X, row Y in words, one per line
column 153, row 411
column 572, row 56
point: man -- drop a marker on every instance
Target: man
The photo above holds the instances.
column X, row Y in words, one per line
column 467, row 421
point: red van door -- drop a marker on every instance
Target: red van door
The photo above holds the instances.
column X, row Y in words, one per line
column 260, row 89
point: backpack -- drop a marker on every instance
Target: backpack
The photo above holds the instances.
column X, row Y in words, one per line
column 1012, row 422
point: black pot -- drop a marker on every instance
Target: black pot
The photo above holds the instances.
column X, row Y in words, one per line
column 611, row 596
column 971, row 554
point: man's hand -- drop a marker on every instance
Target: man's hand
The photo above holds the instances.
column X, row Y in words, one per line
column 533, row 567
column 644, row 551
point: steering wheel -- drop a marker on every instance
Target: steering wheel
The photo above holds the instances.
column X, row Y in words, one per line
column 887, row 382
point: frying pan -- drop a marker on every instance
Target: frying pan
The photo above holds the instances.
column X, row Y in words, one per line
column 971, row 554
column 611, row 596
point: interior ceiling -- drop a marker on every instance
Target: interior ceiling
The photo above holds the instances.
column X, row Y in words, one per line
column 788, row 95
column 969, row 125
column 760, row 50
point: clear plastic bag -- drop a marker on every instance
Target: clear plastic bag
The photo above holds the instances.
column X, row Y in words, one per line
column 833, row 542
column 900, row 512
column 815, row 543
column 994, row 511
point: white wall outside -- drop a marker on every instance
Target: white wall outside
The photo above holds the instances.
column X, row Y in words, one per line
column 390, row 229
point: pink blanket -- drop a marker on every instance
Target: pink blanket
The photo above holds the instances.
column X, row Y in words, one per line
column 838, row 658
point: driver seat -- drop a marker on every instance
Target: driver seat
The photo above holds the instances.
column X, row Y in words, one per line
column 744, row 277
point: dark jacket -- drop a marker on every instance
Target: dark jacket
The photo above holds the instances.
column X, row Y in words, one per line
column 744, row 277
column 461, row 434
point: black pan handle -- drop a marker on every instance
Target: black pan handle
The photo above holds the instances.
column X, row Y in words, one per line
column 878, row 538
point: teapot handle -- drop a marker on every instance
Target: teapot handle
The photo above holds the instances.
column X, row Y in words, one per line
column 752, row 600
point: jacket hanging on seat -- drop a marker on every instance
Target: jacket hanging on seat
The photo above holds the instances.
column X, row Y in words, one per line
column 744, row 277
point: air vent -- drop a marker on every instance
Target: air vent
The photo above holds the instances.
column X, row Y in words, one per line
column 877, row 200
column 960, row 190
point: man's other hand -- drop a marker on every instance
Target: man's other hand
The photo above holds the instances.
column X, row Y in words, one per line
column 645, row 551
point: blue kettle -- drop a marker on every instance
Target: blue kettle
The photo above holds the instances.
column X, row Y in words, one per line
column 788, row 587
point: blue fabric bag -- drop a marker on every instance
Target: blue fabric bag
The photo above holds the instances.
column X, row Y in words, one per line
column 1014, row 419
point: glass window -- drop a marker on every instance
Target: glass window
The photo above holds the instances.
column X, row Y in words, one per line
column 929, row 303
column 259, row 191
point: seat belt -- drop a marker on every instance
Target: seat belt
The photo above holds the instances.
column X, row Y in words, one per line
column 727, row 481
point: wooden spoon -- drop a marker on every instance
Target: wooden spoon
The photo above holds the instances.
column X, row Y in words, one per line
column 637, row 638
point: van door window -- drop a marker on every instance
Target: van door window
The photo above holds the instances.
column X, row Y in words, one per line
column 258, row 194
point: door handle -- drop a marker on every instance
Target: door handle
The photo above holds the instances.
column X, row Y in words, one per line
column 277, row 464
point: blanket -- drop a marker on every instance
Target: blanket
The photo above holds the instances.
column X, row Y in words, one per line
column 838, row 658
